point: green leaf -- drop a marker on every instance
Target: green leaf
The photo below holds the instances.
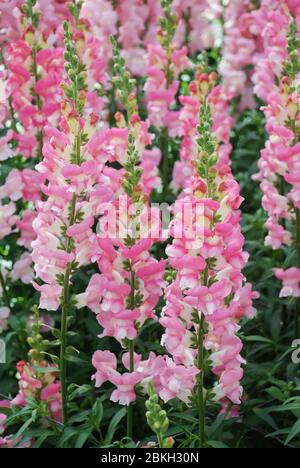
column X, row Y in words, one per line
column 24, row 427
column 293, row 432
column 68, row 434
column 40, row 440
column 212, row 431
column 259, row 339
column 217, row 444
column 113, row 426
column 276, row 393
column 83, row 437
column 97, row 413
column 46, row 370
column 265, row 416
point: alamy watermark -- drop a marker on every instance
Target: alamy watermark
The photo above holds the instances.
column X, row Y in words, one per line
column 296, row 353
column 185, row 219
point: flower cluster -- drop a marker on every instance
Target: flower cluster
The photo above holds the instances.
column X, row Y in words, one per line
column 38, row 387
column 165, row 62
column 188, row 120
column 241, row 42
column 208, row 296
column 169, row 380
column 45, row 387
column 80, row 167
column 136, row 25
column 64, row 221
column 126, row 292
column 277, row 82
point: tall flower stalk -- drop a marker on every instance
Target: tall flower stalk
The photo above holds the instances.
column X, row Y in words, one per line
column 292, row 71
column 131, row 181
column 165, row 62
column 208, row 295
column 125, row 294
column 168, row 28
column 74, row 91
column 279, row 163
column 64, row 221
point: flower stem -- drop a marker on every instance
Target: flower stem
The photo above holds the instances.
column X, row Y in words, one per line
column 201, row 400
column 63, row 344
column 200, row 365
column 297, row 309
column 64, row 318
column 160, row 441
column 12, row 115
column 165, row 161
column 130, row 407
column 131, row 355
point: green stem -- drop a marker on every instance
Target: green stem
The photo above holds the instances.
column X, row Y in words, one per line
column 200, row 364
column 63, row 345
column 164, row 133
column 130, row 407
column 297, row 309
column 10, row 101
column 165, row 161
column 12, row 115
column 131, row 354
column 40, row 135
column 36, row 76
column 64, row 318
column 201, row 400
column 160, row 441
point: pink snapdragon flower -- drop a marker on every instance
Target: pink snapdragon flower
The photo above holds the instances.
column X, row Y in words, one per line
column 291, row 281
column 280, row 159
column 240, row 45
column 22, row 269
column 208, row 255
column 106, row 364
column 30, row 386
column 8, row 219
column 125, row 393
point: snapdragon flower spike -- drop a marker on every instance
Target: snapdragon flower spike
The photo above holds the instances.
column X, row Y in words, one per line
column 280, row 161
column 208, row 294
column 157, row 419
column 64, row 222
column 242, row 32
column 165, row 62
column 136, row 25
column 65, row 219
column 219, row 101
column 92, row 52
column 34, row 69
column 196, row 26
column 125, row 294
column 38, row 382
column 127, row 291
column 34, row 75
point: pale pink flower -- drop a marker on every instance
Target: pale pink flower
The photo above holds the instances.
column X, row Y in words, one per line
column 22, row 269
column 125, row 393
column 291, row 281
column 105, row 363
